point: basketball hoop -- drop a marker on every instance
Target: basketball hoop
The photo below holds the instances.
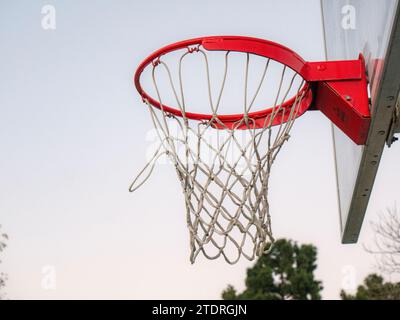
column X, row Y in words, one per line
column 224, row 160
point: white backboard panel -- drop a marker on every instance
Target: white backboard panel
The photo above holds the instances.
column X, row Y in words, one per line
column 369, row 27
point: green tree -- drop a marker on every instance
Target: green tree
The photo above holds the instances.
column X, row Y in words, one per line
column 287, row 272
column 3, row 276
column 374, row 288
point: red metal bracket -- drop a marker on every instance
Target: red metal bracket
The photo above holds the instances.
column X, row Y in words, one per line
column 344, row 97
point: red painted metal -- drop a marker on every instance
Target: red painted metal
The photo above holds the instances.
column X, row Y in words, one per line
column 346, row 104
column 337, row 88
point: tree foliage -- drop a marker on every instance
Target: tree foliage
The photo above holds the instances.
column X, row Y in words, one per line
column 287, row 272
column 374, row 288
column 3, row 245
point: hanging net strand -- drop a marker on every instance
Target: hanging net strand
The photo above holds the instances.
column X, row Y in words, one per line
column 224, row 170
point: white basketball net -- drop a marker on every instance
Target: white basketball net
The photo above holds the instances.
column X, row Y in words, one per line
column 224, row 173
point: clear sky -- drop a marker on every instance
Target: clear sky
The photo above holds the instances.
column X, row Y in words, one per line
column 73, row 132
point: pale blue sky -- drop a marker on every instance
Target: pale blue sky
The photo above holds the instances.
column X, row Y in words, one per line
column 73, row 134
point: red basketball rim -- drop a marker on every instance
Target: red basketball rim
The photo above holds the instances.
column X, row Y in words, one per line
column 255, row 46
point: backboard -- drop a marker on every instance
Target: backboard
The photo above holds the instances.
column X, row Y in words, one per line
column 370, row 27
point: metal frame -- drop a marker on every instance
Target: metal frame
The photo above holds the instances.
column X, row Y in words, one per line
column 382, row 110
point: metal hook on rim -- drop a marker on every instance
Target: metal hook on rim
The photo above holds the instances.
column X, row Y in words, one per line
column 193, row 49
column 156, row 62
